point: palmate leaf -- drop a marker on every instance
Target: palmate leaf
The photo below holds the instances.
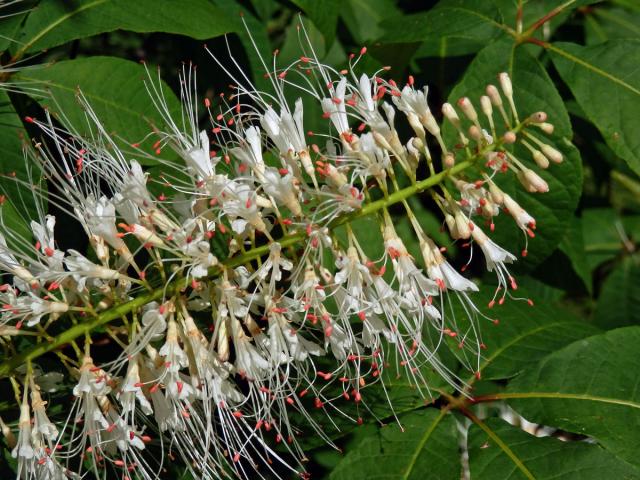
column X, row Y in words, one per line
column 533, row 91
column 606, row 83
column 115, row 90
column 501, row 452
column 589, row 387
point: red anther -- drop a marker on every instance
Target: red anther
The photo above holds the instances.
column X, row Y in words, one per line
column 492, row 303
column 248, row 203
column 328, row 330
column 29, row 119
column 242, row 168
column 346, row 396
column 154, row 388
column 213, row 202
column 283, row 171
column 209, row 234
column 236, row 457
column 145, row 438
column 305, row 59
column 276, row 52
column 194, row 284
column 318, row 403
column 524, row 253
column 325, row 376
column 231, row 121
column 478, row 183
column 265, row 390
column 138, row 384
column 411, row 80
column 53, row 286
column 162, row 197
column 471, row 226
column 530, row 302
column 492, row 227
column 357, row 397
column 207, row 103
column 501, row 301
column 477, row 375
column 336, row 100
column 131, row 435
column 222, row 228
column 289, row 400
column 259, row 424
column 118, row 463
column 514, row 285
column 363, row 50
column 49, row 252
column 185, row 414
column 530, row 233
column 180, row 386
column 344, row 71
column 303, row 393
column 237, row 414
column 281, row 75
column 111, row 427
column 381, row 92
column 278, row 438
column 216, row 130
column 441, row 284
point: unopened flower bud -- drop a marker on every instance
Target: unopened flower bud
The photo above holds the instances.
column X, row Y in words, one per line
column 485, row 103
column 505, row 84
column 449, row 160
column 475, row 133
column 429, row 122
column 540, row 159
column 546, row 127
column 551, row 153
column 467, row 108
column 532, row 181
column 494, row 95
column 509, row 137
column 449, row 112
column 538, row 117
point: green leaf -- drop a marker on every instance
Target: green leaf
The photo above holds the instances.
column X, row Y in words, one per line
column 608, row 23
column 362, row 17
column 619, row 302
column 19, row 199
column 533, row 91
column 606, row 83
column 502, row 452
column 427, row 442
column 452, row 27
column 601, row 237
column 121, row 103
column 323, row 14
column 53, row 23
column 572, row 245
column 589, row 387
column 525, row 334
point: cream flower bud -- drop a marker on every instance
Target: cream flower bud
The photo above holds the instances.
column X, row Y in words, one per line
column 546, row 127
column 551, row 153
column 429, row 122
column 540, row 159
column 414, row 121
column 449, row 160
column 509, row 137
column 505, row 84
column 538, row 117
column 449, row 112
column 494, row 95
column 532, row 181
column 497, row 195
column 485, row 104
column 467, row 108
column 475, row 133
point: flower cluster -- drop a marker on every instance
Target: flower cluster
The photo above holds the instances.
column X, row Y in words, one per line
column 240, row 309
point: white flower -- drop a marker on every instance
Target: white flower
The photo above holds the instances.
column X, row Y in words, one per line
column 285, row 131
column 335, row 107
column 83, row 269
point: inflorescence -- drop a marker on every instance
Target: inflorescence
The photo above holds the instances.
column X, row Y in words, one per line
column 237, row 311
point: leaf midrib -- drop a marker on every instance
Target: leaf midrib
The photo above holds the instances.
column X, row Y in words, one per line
column 593, row 68
column 55, row 23
column 422, row 443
